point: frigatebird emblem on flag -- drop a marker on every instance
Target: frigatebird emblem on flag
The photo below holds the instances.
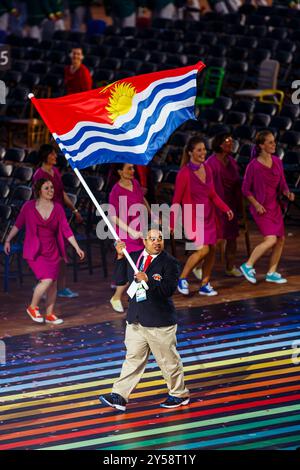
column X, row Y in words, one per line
column 127, row 121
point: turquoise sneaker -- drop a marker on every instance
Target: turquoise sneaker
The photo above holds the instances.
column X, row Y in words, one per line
column 275, row 277
column 249, row 273
column 67, row 293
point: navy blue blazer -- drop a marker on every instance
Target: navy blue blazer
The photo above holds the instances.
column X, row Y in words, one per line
column 163, row 274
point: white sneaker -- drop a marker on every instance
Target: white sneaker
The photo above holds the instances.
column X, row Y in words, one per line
column 208, row 290
column 183, row 286
column 117, row 305
column 197, row 273
column 52, row 318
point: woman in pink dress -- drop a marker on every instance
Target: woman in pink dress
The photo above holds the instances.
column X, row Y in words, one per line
column 194, row 187
column 48, row 159
column 263, row 185
column 46, row 227
column 227, row 183
column 124, row 194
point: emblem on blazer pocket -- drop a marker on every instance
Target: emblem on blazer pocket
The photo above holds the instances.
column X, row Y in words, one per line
column 157, row 277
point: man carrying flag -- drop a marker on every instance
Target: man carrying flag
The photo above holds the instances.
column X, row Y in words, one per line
column 127, row 121
column 151, row 323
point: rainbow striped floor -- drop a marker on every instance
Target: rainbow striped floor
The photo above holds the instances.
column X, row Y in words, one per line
column 238, row 365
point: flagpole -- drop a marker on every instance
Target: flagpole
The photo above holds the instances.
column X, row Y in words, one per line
column 96, row 203
column 107, row 221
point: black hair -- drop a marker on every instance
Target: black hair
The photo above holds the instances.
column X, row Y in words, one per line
column 218, row 140
column 44, row 152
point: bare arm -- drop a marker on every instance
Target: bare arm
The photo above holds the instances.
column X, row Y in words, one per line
column 70, row 205
column 133, row 233
column 147, row 205
column 9, row 237
column 258, row 207
column 289, row 195
column 75, row 245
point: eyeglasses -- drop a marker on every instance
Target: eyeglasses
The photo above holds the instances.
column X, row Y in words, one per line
column 154, row 239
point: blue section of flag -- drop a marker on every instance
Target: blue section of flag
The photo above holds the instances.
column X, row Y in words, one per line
column 114, row 132
column 111, row 138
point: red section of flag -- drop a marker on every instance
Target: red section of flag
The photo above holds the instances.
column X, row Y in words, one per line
column 62, row 114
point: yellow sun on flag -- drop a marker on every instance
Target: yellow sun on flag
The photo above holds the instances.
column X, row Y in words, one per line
column 120, row 100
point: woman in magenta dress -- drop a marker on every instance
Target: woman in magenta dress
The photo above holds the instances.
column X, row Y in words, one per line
column 48, row 159
column 263, row 185
column 194, row 186
column 46, row 227
column 124, row 194
column 227, row 183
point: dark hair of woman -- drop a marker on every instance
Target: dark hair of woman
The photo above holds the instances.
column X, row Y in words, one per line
column 218, row 140
column 260, row 139
column 38, row 186
column 116, row 167
column 44, row 152
column 113, row 175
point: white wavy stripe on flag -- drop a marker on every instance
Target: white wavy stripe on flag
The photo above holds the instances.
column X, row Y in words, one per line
column 156, row 127
column 131, row 114
column 139, row 129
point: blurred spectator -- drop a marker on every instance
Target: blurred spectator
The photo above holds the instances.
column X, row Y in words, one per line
column 17, row 22
column 257, row 3
column 7, row 8
column 38, row 12
column 192, row 10
column 77, row 76
column 123, row 12
column 58, row 8
column 162, row 8
column 80, row 13
column 284, row 4
column 223, row 7
column 49, row 26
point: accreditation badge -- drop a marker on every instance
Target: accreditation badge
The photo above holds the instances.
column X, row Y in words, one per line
column 140, row 294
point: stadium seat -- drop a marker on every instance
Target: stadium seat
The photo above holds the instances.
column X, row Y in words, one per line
column 260, row 120
column 244, row 106
column 267, row 79
column 244, row 133
column 281, row 123
column 15, row 155
column 224, row 103
column 15, row 249
column 235, row 118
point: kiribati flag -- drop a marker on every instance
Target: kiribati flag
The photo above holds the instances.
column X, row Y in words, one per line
column 127, row 121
